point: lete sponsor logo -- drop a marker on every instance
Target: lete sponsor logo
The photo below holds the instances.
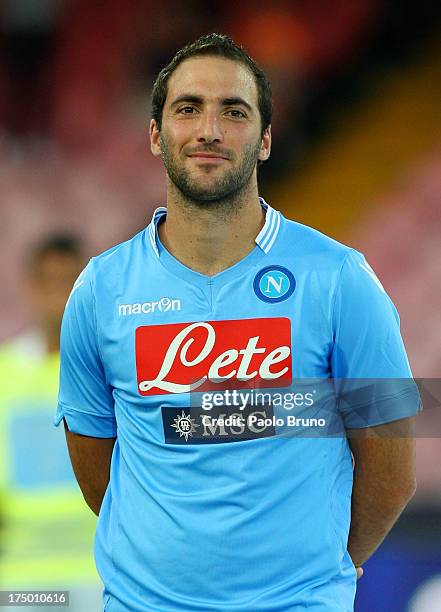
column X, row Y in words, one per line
column 202, row 356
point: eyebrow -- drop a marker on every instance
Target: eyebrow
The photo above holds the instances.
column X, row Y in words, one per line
column 236, row 101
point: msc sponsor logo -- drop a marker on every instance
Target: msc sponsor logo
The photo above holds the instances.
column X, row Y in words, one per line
column 274, row 284
column 162, row 305
column 183, row 357
column 194, row 426
column 184, row 425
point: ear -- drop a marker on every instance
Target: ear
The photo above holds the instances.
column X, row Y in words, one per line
column 265, row 148
column 155, row 138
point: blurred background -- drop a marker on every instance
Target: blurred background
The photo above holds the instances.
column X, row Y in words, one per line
column 356, row 154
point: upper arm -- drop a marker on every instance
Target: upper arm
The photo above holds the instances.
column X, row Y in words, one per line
column 85, row 398
column 369, row 362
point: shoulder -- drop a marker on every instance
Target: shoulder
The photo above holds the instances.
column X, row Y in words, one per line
column 316, row 247
column 105, row 272
column 118, row 255
column 109, row 269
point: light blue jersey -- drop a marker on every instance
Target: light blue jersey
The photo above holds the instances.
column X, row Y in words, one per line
column 227, row 492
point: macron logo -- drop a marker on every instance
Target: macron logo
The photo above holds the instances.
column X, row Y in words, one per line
column 162, row 305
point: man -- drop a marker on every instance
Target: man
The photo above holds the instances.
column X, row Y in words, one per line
column 206, row 499
column 46, row 533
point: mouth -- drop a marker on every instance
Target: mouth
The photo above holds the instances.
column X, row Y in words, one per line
column 208, row 158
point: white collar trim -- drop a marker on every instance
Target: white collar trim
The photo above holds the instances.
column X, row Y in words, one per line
column 265, row 238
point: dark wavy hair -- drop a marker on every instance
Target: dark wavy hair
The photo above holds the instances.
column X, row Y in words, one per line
column 219, row 45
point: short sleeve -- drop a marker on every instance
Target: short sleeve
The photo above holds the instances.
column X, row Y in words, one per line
column 369, row 363
column 85, row 399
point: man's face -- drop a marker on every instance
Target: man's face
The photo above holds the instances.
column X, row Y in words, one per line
column 50, row 283
column 210, row 138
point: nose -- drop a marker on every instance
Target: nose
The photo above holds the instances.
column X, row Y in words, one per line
column 209, row 128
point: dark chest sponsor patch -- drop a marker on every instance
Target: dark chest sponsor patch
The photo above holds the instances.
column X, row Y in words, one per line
column 194, row 425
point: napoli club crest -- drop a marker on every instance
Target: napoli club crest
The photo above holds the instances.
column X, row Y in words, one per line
column 274, row 284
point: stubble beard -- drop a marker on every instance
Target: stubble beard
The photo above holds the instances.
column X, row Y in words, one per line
column 222, row 193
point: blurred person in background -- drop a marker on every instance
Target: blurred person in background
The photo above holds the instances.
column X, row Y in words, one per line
column 46, row 533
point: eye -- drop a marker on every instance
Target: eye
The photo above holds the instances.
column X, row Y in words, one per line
column 236, row 113
column 187, row 110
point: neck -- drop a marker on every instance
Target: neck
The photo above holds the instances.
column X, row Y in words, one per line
column 210, row 237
